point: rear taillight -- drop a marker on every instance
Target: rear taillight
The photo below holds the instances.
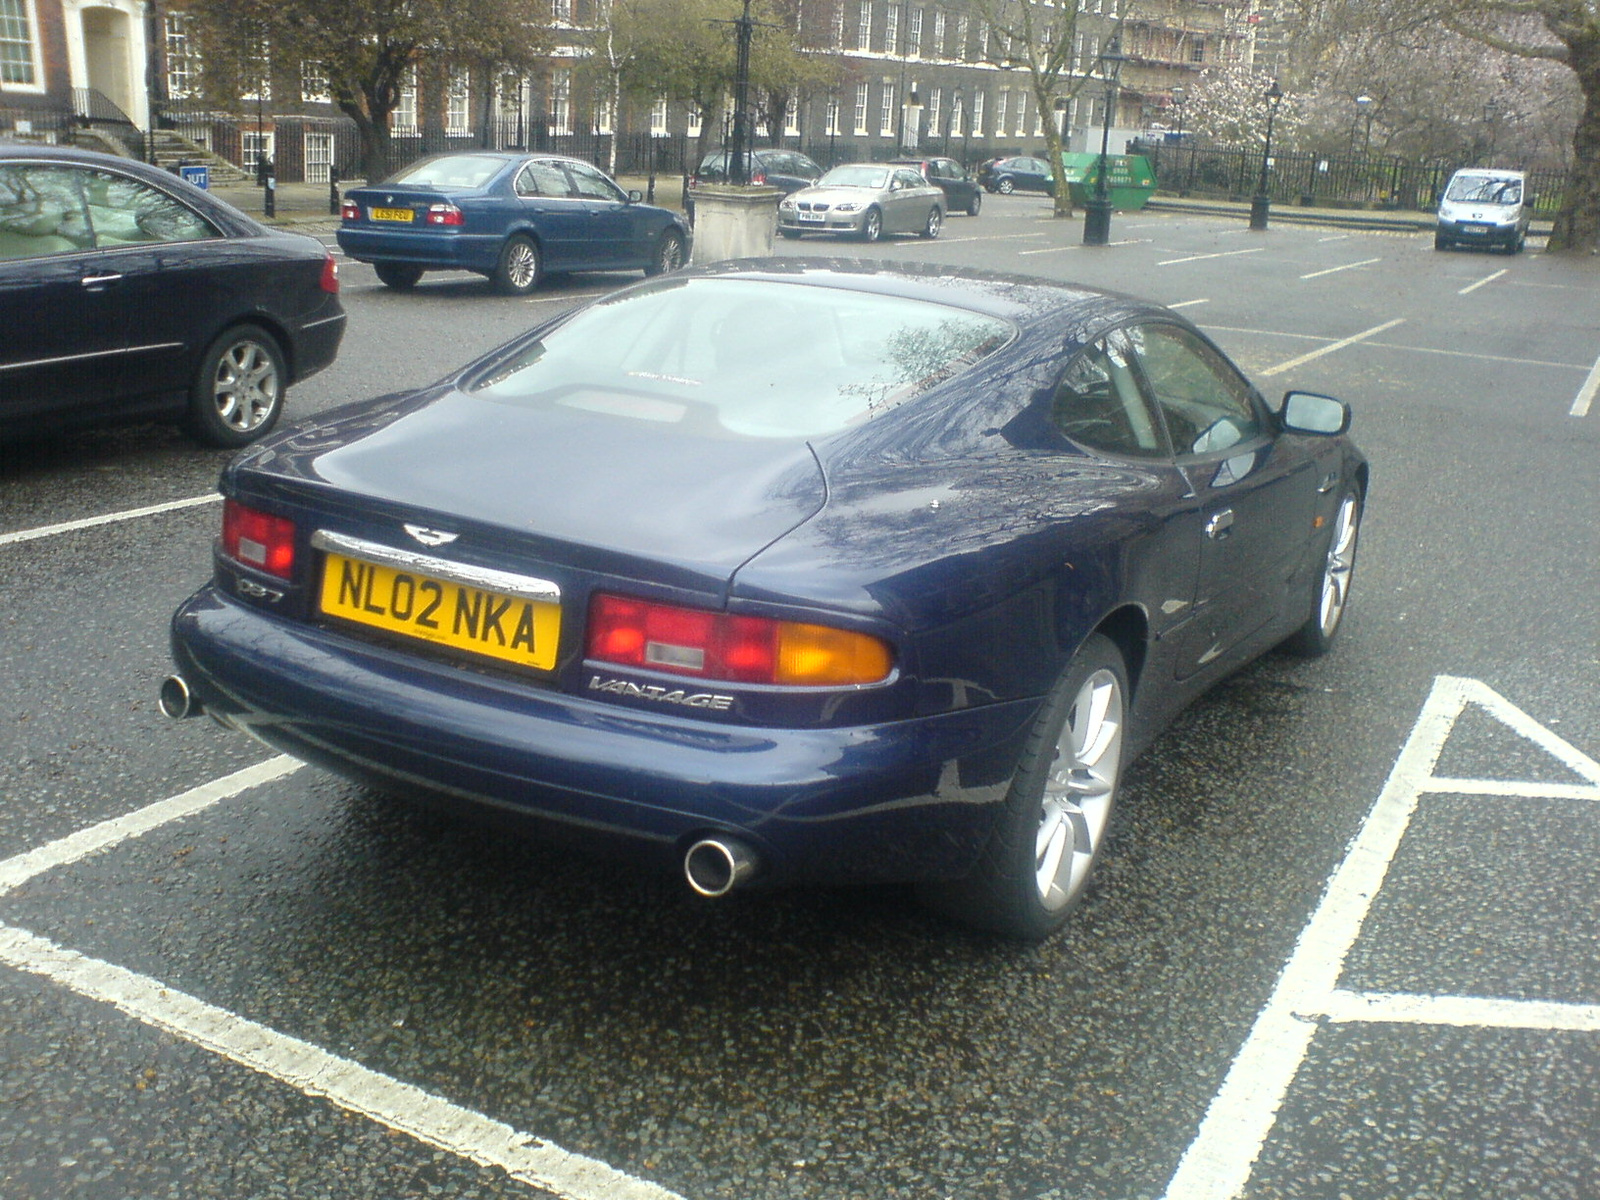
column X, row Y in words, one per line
column 445, row 214
column 731, row 648
column 330, row 275
column 350, row 211
column 258, row 539
column 758, row 176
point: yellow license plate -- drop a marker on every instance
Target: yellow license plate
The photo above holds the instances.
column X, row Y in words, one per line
column 509, row 628
column 391, row 214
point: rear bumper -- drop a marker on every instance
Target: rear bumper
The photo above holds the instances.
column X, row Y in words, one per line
column 905, row 800
column 439, row 251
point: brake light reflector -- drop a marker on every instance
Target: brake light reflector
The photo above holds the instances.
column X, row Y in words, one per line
column 445, row 214
column 330, row 275
column 730, row 647
column 349, row 210
column 258, row 539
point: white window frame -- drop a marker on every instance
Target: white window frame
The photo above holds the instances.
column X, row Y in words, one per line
column 914, row 34
column 940, row 27
column 253, row 143
column 864, row 26
column 319, row 151
column 1022, row 113
column 314, row 87
column 24, row 56
column 886, row 110
column 659, row 115
column 458, row 102
column 403, row 119
column 696, row 122
column 791, row 117
column 258, row 52
column 861, row 109
column 933, row 113
column 1002, row 104
column 891, row 30
column 831, row 117
column 558, row 105
column 183, row 61
column 977, row 113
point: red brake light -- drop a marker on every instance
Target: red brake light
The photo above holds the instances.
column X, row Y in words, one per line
column 732, row 648
column 330, row 275
column 349, row 210
column 258, row 539
column 445, row 214
column 758, row 176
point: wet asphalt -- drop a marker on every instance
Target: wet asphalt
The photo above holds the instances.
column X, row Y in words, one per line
column 842, row 1043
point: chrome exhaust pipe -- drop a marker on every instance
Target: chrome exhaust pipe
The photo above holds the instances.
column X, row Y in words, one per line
column 176, row 700
column 714, row 866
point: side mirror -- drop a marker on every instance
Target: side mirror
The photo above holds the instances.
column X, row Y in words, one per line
column 635, row 196
column 1307, row 412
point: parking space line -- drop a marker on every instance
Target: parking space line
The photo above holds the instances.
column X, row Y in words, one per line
column 127, row 514
column 1218, row 1163
column 16, row 871
column 1365, row 262
column 315, row 1072
column 307, row 1068
column 1586, row 394
column 1472, row 287
column 1189, row 303
column 1332, row 346
column 1218, row 254
column 1473, row 1012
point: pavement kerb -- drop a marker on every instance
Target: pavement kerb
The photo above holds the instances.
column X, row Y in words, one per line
column 301, row 204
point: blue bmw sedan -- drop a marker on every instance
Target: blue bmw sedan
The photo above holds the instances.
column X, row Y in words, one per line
column 785, row 570
column 508, row 216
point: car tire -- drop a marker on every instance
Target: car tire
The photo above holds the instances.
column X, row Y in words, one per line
column 935, row 221
column 1005, row 187
column 1440, row 242
column 400, row 277
column 668, row 255
column 520, row 266
column 238, row 388
column 975, row 204
column 871, row 225
column 1047, row 837
column 1330, row 592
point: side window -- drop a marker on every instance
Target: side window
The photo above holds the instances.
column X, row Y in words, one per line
column 592, row 185
column 124, row 211
column 543, row 179
column 910, row 179
column 41, row 212
column 1205, row 402
column 1098, row 403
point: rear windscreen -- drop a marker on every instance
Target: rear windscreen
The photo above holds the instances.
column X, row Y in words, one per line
column 752, row 357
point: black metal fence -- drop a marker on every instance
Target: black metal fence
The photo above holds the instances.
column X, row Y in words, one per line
column 1329, row 181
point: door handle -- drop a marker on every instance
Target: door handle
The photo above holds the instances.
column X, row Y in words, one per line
column 94, row 281
column 1220, row 524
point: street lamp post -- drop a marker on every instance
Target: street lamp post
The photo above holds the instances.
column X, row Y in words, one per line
column 1180, row 95
column 1491, row 114
column 833, row 126
column 1261, row 203
column 1364, row 104
column 956, row 99
column 1097, row 210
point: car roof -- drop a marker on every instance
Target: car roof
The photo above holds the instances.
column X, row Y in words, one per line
column 1024, row 300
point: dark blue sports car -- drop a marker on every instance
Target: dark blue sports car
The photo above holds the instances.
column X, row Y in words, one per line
column 509, row 216
column 785, row 570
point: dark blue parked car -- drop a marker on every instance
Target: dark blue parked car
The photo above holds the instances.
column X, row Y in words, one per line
column 509, row 216
column 785, row 570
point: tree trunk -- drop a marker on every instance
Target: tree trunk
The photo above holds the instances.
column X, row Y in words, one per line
column 1577, row 223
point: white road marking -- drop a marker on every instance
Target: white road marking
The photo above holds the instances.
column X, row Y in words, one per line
column 127, row 514
column 1365, row 262
column 1218, row 1163
column 1472, row 287
column 1337, row 237
column 301, row 1065
column 1189, row 303
column 1586, row 394
column 1471, row 1012
column 1201, row 257
column 16, row 871
column 1332, row 346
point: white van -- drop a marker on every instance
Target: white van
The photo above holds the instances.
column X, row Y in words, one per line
column 1484, row 206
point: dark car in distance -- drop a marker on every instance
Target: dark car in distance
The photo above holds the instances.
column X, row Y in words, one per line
column 127, row 294
column 785, row 570
column 1020, row 174
column 962, row 192
column 509, row 216
column 786, row 170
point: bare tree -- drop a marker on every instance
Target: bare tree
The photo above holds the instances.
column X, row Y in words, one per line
column 1041, row 38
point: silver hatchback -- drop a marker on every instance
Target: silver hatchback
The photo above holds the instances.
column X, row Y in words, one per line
column 865, row 201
